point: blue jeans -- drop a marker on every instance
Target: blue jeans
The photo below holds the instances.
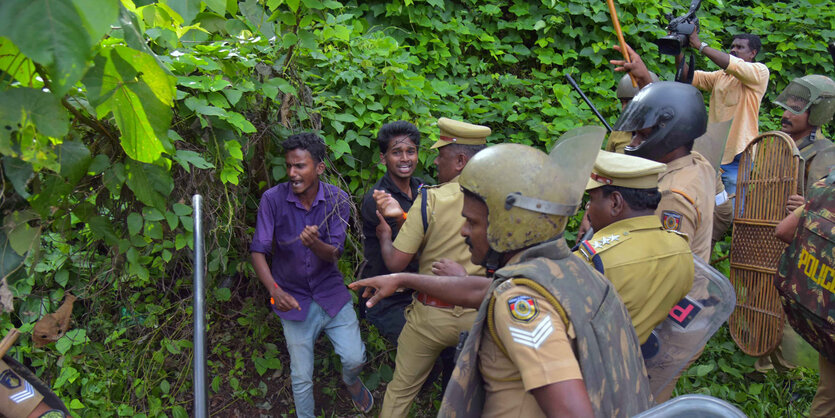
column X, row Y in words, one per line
column 344, row 332
column 730, row 171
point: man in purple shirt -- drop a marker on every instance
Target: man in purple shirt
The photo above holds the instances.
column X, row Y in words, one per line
column 301, row 227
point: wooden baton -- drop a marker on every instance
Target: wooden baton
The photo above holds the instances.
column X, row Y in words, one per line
column 622, row 42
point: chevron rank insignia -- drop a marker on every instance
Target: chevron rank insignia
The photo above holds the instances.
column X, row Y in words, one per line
column 671, row 220
column 535, row 337
column 522, row 308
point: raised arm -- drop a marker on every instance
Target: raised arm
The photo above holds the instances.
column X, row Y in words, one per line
column 466, row 291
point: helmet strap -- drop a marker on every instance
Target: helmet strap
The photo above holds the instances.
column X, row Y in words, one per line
column 492, row 261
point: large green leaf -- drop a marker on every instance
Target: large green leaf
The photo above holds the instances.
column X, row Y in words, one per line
column 139, row 93
column 19, row 173
column 74, row 158
column 48, row 31
column 25, row 104
column 132, row 32
column 15, row 64
column 137, row 178
column 9, row 259
column 217, row 6
column 187, row 9
column 97, row 16
column 103, row 228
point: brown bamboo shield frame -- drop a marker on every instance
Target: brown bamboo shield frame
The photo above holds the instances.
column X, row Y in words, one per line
column 770, row 170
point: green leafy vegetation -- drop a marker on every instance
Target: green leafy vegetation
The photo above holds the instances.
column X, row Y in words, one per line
column 113, row 114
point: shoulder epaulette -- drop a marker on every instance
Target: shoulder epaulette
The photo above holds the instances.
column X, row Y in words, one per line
column 588, row 250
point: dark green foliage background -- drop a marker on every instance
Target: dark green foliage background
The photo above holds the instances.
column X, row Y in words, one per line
column 150, row 102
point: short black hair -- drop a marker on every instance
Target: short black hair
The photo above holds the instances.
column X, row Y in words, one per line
column 467, row 150
column 398, row 128
column 753, row 41
column 637, row 199
column 307, row 141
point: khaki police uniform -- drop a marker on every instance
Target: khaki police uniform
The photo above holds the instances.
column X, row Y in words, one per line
column 687, row 200
column 618, row 140
column 651, row 268
column 723, row 213
column 540, row 353
column 18, row 398
column 431, row 324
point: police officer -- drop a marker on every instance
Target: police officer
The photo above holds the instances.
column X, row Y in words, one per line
column 430, row 233
column 810, row 103
column 805, row 283
column 619, row 139
column 723, row 206
column 664, row 119
column 651, row 268
column 542, row 304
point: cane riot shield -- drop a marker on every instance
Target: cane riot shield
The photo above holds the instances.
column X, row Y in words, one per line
column 712, row 144
column 701, row 406
column 688, row 326
column 770, row 170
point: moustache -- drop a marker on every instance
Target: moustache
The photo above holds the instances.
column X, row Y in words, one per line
column 468, row 242
column 785, row 121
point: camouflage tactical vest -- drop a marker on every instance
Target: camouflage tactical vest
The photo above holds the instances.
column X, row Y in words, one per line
column 806, row 275
column 607, row 346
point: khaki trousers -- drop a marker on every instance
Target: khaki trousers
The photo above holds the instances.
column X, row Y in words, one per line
column 427, row 332
column 824, row 403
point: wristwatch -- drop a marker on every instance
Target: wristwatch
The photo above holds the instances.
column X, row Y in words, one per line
column 702, row 46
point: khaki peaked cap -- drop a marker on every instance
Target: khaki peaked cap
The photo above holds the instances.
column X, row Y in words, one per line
column 625, row 171
column 457, row 132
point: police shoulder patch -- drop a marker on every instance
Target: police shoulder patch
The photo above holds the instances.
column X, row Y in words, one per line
column 9, row 379
column 523, row 308
column 671, row 220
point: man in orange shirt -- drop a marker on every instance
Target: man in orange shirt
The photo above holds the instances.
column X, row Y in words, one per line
column 736, row 92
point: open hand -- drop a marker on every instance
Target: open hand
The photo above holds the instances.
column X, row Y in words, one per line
column 636, row 67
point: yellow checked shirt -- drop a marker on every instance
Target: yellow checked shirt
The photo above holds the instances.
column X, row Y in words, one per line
column 540, row 351
column 736, row 92
column 443, row 235
column 652, row 269
column 687, row 200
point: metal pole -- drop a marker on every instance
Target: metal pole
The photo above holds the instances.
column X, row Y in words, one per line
column 201, row 394
column 588, row 102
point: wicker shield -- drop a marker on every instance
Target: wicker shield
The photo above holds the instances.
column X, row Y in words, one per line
column 769, row 170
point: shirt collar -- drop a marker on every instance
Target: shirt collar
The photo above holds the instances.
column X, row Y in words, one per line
column 388, row 184
column 631, row 224
column 293, row 198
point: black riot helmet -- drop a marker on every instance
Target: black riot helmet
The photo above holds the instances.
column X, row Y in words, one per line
column 675, row 112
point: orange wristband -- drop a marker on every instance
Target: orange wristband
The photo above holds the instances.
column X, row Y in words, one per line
column 405, row 215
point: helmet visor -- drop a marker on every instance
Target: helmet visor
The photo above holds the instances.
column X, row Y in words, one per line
column 574, row 155
column 796, row 98
column 635, row 116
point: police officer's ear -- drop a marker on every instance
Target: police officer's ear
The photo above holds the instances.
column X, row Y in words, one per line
column 616, row 204
column 461, row 160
